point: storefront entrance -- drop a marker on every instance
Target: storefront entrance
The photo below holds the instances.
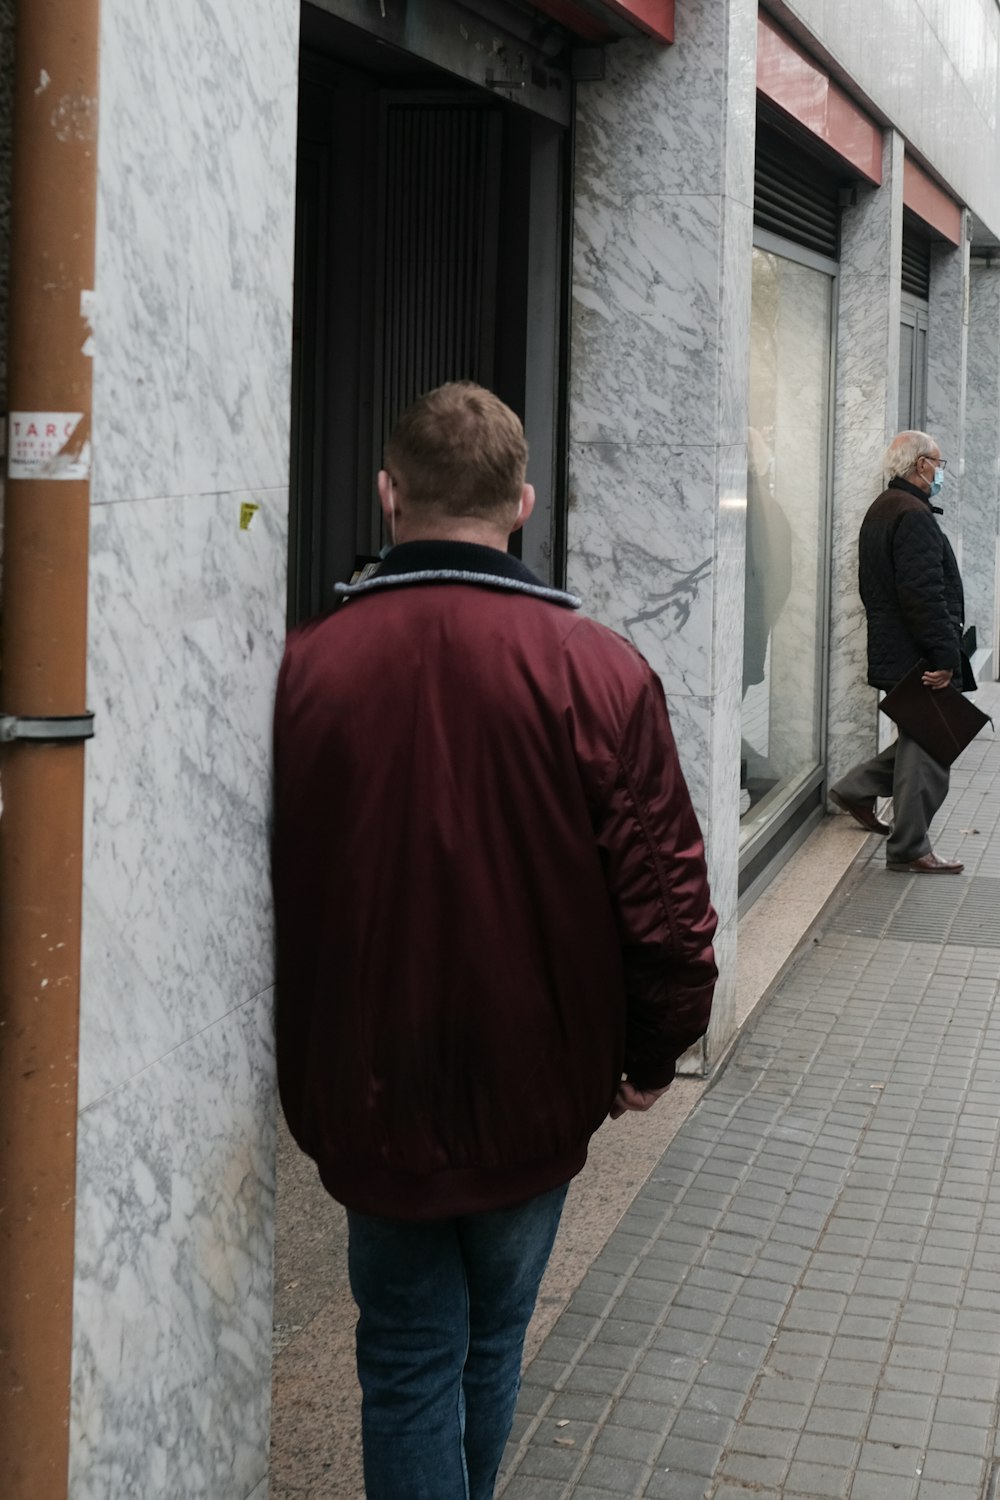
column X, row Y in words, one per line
column 429, row 247
column 786, row 608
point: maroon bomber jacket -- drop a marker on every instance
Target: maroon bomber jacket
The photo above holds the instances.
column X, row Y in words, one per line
column 490, row 885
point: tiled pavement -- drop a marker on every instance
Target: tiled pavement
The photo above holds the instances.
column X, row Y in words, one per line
column 804, row 1299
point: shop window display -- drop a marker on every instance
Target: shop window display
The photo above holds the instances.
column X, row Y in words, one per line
column 786, row 551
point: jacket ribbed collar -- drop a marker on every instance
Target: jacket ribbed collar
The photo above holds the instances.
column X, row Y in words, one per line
column 913, row 489
column 455, row 562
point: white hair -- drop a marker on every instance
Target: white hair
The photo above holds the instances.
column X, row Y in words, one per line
column 904, row 450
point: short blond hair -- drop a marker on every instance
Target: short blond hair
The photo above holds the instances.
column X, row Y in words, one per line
column 459, row 450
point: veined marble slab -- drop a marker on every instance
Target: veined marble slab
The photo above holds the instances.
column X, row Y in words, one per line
column 172, row 1307
column 187, row 614
column 195, row 233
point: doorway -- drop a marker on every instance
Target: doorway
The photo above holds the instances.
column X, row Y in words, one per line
column 430, row 246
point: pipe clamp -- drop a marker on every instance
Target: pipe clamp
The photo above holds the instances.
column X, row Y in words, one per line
column 46, row 730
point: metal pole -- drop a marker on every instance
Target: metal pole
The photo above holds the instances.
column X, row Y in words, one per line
column 53, row 202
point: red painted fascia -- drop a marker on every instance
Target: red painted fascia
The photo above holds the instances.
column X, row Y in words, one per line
column 582, row 23
column 789, row 78
column 654, row 17
column 931, row 204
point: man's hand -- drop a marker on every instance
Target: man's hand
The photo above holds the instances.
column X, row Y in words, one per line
column 937, row 680
column 630, row 1098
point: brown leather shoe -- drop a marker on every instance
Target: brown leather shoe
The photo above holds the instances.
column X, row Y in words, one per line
column 927, row 864
column 861, row 812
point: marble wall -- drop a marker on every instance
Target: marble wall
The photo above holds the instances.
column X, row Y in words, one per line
column 865, row 404
column 663, row 240
column 172, row 1321
column 981, row 481
column 947, row 337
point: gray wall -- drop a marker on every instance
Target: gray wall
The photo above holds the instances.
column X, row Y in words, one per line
column 932, row 68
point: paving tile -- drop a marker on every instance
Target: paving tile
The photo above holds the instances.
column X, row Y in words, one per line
column 898, row 1430
column 955, row 1468
column 627, row 1442
column 674, row 1484
column 619, row 1475
column 526, row 1487
column 890, row 1458
column 754, row 1470
column 647, row 1416
column 867, row 1486
column 818, row 1480
column 833, row 1421
column 765, row 1442
column 948, row 1438
column 690, row 1455
column 550, row 1462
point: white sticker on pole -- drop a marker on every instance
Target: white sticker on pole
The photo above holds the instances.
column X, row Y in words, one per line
column 47, row 445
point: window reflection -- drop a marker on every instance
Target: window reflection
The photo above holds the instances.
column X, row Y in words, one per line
column 785, row 540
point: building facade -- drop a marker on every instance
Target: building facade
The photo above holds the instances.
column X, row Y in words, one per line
column 715, row 273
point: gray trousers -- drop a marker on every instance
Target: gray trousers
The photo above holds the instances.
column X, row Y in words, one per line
column 917, row 784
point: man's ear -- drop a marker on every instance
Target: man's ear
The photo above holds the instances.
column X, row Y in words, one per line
column 386, row 496
column 526, row 505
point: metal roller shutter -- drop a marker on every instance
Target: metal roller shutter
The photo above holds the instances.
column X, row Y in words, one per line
column 795, row 195
column 916, row 269
column 437, row 277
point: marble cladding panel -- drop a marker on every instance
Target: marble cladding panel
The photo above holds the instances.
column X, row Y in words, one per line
column 641, row 551
column 194, row 246
column 867, row 374
column 872, row 229
column 691, row 721
column 723, row 1025
column 646, row 314
column 741, row 100
column 734, row 342
column 851, row 715
column 946, row 349
column 655, row 124
column 174, row 1241
column 946, row 372
column 981, row 482
column 186, row 628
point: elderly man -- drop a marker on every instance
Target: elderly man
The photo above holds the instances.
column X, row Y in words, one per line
column 912, row 593
column 494, row 930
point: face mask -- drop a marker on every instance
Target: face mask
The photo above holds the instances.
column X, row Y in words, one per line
column 937, row 483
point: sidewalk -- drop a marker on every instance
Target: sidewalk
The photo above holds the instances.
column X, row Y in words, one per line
column 804, row 1298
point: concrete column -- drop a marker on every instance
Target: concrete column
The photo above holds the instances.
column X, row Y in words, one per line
column 866, row 414
column 660, row 349
column 980, row 497
column 947, row 338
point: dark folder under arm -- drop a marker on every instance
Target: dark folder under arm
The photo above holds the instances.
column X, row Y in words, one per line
column 940, row 720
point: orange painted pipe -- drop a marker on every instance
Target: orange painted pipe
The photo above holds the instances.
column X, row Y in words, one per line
column 42, row 675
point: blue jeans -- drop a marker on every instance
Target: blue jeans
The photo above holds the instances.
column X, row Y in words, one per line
column 444, row 1307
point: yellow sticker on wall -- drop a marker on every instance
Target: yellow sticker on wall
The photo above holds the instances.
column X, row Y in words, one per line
column 247, row 512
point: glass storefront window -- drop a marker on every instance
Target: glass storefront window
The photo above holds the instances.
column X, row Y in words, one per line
column 786, row 549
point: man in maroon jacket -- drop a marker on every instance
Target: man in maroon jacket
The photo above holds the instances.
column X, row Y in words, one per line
column 494, row 930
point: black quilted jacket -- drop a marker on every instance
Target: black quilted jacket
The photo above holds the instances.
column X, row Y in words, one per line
column 910, row 587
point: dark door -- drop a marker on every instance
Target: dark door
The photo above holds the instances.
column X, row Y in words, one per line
column 428, row 230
